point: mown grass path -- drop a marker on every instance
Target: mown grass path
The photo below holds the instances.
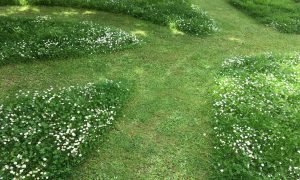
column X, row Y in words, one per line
column 165, row 131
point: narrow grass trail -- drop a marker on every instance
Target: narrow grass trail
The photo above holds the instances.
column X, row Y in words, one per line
column 165, row 131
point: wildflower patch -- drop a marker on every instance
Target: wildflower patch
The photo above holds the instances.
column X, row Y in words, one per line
column 43, row 134
column 257, row 120
column 52, row 39
column 186, row 16
column 282, row 15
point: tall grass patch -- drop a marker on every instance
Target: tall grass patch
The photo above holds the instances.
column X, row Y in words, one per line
column 45, row 133
column 186, row 17
column 41, row 38
column 257, row 118
column 283, row 15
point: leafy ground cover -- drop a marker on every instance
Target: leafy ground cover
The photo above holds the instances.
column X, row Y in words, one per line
column 166, row 131
column 178, row 13
column 284, row 15
column 257, row 118
column 52, row 39
column 43, row 134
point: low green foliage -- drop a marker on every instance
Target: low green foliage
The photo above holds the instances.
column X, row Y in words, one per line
column 187, row 18
column 45, row 133
column 41, row 38
column 284, row 15
column 257, row 118
column 9, row 2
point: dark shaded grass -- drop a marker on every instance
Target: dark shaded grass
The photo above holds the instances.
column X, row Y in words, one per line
column 284, row 15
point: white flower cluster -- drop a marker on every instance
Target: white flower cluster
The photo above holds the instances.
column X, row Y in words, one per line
column 256, row 113
column 187, row 17
column 199, row 24
column 288, row 27
column 81, row 38
column 108, row 37
column 43, row 131
column 42, row 19
column 18, row 169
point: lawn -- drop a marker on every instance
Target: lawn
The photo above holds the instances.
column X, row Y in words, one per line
column 166, row 127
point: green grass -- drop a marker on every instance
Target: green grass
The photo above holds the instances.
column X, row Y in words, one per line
column 52, row 39
column 178, row 13
column 257, row 118
column 44, row 134
column 283, row 15
column 166, row 131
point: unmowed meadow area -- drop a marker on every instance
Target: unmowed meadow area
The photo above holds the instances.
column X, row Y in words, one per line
column 159, row 89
